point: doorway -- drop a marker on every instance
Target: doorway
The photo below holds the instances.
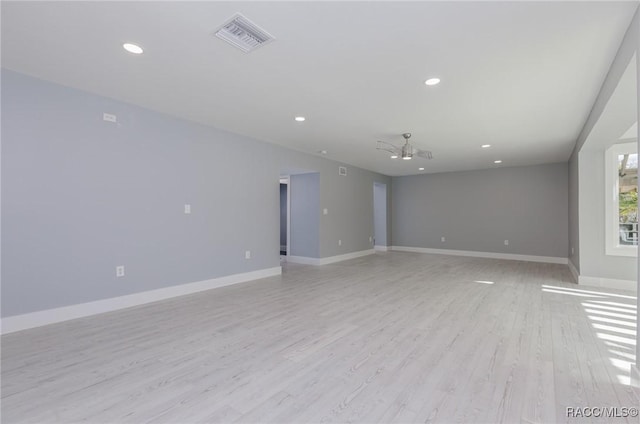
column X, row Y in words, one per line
column 380, row 216
column 284, row 217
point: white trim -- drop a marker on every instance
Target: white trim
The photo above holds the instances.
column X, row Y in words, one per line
column 346, row 256
column 381, row 248
column 574, row 272
column 492, row 255
column 65, row 313
column 635, row 380
column 609, row 283
column 329, row 260
column 304, row 260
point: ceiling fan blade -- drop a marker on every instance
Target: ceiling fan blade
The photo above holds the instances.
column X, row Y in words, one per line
column 385, row 149
column 387, row 144
column 425, row 154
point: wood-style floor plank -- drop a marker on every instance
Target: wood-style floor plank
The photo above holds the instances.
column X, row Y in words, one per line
column 392, row 337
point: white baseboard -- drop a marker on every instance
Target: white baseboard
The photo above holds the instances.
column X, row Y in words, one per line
column 304, row 260
column 492, row 255
column 609, row 283
column 381, row 248
column 635, row 380
column 574, row 272
column 329, row 260
column 346, row 256
column 51, row 316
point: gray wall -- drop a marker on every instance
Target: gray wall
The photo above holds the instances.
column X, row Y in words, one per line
column 81, row 196
column 574, row 217
column 283, row 214
column 340, row 200
column 478, row 210
column 305, row 215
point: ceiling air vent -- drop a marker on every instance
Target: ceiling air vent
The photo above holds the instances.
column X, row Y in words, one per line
column 243, row 34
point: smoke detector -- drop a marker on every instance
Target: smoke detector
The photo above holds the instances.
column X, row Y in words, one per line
column 243, row 34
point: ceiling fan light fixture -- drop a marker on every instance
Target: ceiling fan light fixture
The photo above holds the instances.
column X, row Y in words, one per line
column 132, row 48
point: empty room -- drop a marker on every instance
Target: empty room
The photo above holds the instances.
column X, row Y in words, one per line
column 318, row 211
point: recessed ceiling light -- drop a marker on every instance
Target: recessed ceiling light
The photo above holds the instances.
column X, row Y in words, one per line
column 300, row 118
column 497, row 161
column 394, row 156
column 420, row 169
column 432, row 81
column 406, row 157
column 132, row 48
column 484, row 146
column 322, row 152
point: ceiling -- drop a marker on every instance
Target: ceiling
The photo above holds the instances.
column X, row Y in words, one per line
column 521, row 76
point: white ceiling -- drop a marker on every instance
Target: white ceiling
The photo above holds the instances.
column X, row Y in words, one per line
column 521, row 76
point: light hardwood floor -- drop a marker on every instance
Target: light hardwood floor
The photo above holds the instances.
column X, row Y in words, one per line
column 392, row 337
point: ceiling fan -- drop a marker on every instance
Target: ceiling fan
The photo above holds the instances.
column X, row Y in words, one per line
column 406, row 151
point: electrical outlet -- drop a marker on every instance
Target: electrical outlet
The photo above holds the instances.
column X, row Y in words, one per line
column 572, row 251
column 506, row 242
column 120, row 271
column 443, row 239
column 247, row 254
column 370, row 239
column 339, row 242
column 325, row 211
column 187, row 209
column 109, row 117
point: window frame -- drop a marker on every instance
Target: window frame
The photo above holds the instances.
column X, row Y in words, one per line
column 612, row 206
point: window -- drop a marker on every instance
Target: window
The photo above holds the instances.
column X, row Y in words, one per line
column 621, row 167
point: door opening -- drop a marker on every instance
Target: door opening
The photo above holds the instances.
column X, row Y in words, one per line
column 380, row 216
column 284, row 217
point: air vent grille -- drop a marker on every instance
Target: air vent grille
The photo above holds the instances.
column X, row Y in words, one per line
column 243, row 34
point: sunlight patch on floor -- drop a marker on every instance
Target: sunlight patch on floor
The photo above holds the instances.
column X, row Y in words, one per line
column 612, row 321
column 609, row 308
column 611, row 314
column 571, row 294
column 589, row 292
